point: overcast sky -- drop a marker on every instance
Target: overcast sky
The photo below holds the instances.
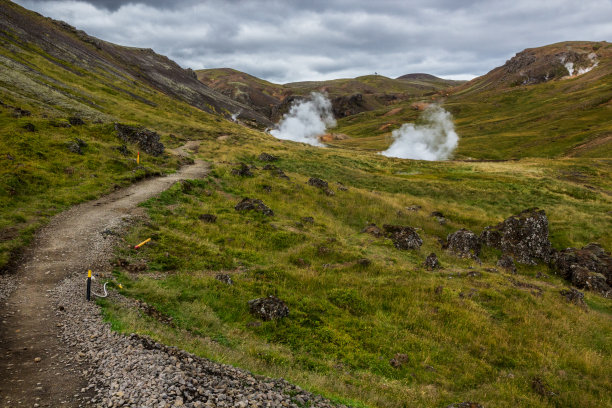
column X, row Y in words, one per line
column 291, row 40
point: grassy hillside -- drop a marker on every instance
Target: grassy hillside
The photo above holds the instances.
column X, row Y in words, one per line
column 468, row 331
column 471, row 332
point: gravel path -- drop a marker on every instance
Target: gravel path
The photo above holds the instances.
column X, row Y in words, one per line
column 55, row 350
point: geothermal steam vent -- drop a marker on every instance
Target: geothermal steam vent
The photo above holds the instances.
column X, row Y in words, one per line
column 306, row 120
column 435, row 139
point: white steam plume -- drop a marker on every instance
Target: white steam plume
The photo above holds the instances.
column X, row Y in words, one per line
column 434, row 140
column 306, row 120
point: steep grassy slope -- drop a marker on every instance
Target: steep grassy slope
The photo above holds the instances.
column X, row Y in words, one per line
column 482, row 335
column 498, row 119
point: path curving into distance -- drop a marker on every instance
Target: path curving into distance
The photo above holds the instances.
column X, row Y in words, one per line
column 37, row 368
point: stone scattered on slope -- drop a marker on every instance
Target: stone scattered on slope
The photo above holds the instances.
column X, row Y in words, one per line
column 254, row 204
column 225, row 278
column 146, row 139
column 319, row 183
column 268, row 308
column 403, row 237
column 77, row 145
column 210, row 218
column 431, row 262
column 466, row 404
column 524, row 236
column 243, row 171
column 573, row 295
column 373, row 230
column 464, row 244
column 587, row 268
column 399, row 360
column 507, row 263
column 76, row 121
column 267, row 157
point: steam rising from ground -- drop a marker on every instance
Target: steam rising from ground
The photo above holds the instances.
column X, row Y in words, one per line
column 306, row 120
column 434, row 140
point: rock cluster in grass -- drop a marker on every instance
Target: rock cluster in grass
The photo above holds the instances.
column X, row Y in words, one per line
column 587, row 268
column 403, row 237
column 254, row 204
column 322, row 184
column 243, row 171
column 268, row 308
column 573, row 295
column 373, row 230
column 464, row 244
column 524, row 236
column 77, row 145
column 147, row 140
column 210, row 218
column 507, row 263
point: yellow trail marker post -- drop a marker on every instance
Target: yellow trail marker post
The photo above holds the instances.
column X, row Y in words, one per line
column 138, row 158
column 89, row 284
column 142, row 243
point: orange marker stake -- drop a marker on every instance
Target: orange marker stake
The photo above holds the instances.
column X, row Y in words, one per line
column 138, row 158
column 142, row 243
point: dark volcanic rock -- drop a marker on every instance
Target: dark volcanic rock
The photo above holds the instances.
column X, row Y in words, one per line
column 29, row 127
column 431, row 262
column 307, row 220
column 317, row 182
column 254, row 204
column 146, row 139
column 19, row 113
column 225, row 278
column 524, row 236
column 75, row 121
column 399, row 360
column 463, row 243
column 211, row 218
column 267, row 157
column 77, row 145
column 507, row 263
column 589, row 267
column 243, row 171
column 466, row 404
column 268, row 308
column 403, row 237
column 372, row 229
column 573, row 295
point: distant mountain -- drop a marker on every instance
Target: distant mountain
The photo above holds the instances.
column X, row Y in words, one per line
column 349, row 96
column 26, row 37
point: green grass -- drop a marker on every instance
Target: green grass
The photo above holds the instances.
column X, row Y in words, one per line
column 482, row 338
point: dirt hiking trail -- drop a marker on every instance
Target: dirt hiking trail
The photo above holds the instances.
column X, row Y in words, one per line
column 36, row 367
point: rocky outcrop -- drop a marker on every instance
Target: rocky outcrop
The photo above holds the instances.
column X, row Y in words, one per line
column 573, row 295
column 267, row 157
column 373, row 230
column 523, row 236
column 243, row 171
column 254, row 204
column 463, row 243
column 403, row 237
column 268, row 308
column 587, row 268
column 146, row 139
column 319, row 183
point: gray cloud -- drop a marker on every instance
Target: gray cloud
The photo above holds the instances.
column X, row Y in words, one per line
column 296, row 40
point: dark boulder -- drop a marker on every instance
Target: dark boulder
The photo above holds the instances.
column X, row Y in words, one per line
column 225, row 278
column 524, row 236
column 76, row 121
column 243, row 171
column 254, row 204
column 587, row 268
column 307, row 220
column 317, row 182
column 267, row 157
column 507, row 263
column 399, row 360
column 210, row 218
column 29, row 127
column 574, row 296
column 403, row 237
column 77, row 145
column 146, row 139
column 373, row 230
column 19, row 113
column 431, row 262
column 466, row 404
column 463, row 243
column 268, row 308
